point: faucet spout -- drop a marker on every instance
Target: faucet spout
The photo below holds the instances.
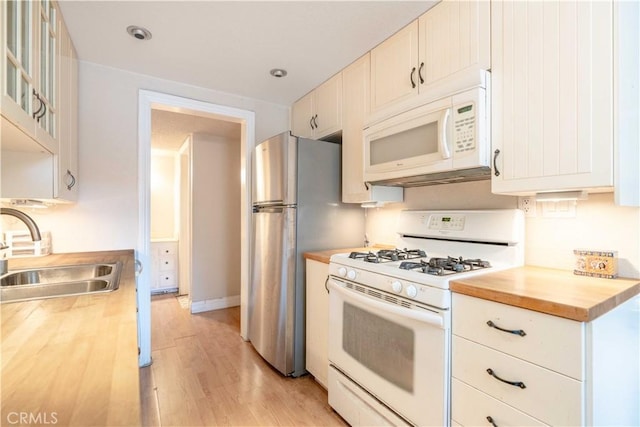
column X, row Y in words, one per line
column 29, row 222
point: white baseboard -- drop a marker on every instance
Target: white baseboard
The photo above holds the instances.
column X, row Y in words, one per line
column 215, row 304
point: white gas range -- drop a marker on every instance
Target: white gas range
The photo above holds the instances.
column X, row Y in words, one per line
column 390, row 313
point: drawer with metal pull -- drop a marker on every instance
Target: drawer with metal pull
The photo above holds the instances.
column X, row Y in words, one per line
column 471, row 407
column 553, row 342
column 530, row 388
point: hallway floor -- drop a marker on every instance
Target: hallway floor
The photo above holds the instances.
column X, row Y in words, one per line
column 204, row 374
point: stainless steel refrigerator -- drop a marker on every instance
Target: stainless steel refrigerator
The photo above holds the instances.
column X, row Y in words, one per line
column 296, row 209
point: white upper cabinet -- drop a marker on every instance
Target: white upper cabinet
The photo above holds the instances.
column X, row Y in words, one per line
column 430, row 57
column 319, row 113
column 394, row 68
column 356, row 102
column 552, row 96
column 455, row 37
column 66, row 177
column 39, row 103
column 29, row 97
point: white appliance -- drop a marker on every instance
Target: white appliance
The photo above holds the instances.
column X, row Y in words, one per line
column 390, row 313
column 444, row 141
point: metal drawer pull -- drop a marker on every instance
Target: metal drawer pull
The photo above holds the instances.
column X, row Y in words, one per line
column 513, row 383
column 515, row 331
column 413, row 71
column 495, row 166
column 492, row 422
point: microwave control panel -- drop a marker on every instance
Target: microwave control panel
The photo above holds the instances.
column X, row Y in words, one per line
column 464, row 128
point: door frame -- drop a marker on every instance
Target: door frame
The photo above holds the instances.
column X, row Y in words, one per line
column 147, row 101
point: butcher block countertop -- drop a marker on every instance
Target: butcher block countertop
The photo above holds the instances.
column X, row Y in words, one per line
column 72, row 361
column 556, row 292
column 324, row 256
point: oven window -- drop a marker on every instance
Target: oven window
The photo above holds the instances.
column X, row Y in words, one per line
column 383, row 346
column 418, row 141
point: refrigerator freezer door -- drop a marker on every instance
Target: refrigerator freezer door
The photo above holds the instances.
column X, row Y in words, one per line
column 272, row 290
column 274, row 171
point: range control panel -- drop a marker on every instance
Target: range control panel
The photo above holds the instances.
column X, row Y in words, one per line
column 454, row 222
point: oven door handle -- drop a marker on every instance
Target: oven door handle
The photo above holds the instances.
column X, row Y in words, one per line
column 424, row 317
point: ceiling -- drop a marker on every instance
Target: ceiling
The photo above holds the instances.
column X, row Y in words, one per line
column 230, row 46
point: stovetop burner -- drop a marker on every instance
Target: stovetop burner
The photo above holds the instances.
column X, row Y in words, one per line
column 442, row 266
column 388, row 255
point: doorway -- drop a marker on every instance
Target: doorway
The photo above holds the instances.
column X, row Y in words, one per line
column 148, row 103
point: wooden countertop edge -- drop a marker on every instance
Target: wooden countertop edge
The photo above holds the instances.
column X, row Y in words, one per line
column 592, row 305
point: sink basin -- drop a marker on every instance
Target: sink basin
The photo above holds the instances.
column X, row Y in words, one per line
column 50, row 282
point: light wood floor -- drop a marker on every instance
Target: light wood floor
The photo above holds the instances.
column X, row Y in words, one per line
column 204, row 374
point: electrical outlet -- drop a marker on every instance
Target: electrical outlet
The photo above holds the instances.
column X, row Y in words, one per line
column 528, row 205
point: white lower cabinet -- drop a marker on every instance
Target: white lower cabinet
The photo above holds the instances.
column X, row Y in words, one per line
column 317, row 324
column 164, row 266
column 512, row 366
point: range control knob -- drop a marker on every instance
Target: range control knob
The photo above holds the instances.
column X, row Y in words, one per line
column 351, row 274
column 412, row 291
column 342, row 271
column 396, row 286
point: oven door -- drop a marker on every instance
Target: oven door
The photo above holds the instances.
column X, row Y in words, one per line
column 396, row 351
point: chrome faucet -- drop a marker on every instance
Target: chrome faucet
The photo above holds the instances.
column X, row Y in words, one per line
column 31, row 225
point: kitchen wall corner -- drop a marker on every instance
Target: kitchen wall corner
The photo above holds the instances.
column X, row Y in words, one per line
column 598, row 224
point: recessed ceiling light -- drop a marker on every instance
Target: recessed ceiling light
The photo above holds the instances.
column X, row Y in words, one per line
column 278, row 72
column 139, row 32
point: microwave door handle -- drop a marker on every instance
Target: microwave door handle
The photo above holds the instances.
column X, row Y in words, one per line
column 442, row 133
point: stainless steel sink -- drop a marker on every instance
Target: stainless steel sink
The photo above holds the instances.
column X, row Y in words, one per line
column 49, row 282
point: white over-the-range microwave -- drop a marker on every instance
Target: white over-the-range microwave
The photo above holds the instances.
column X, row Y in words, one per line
column 443, row 141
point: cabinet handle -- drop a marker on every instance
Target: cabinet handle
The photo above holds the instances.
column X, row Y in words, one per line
column 413, row 71
column 43, row 112
column 491, row 421
column 366, row 185
column 315, row 121
column 511, row 331
column 325, row 284
column 496, row 172
column 73, row 180
column 35, row 113
column 420, row 72
column 311, row 122
column 513, row 383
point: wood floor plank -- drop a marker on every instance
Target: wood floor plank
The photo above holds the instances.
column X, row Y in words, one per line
column 204, row 374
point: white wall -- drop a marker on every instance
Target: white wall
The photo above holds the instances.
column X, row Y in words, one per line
column 163, row 194
column 215, row 203
column 106, row 214
column 549, row 242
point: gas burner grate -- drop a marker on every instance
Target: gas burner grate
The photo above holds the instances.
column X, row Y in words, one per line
column 441, row 266
column 388, row 255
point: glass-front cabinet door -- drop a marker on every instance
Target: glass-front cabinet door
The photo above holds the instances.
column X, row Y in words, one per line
column 29, row 35
column 18, row 100
column 47, row 78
